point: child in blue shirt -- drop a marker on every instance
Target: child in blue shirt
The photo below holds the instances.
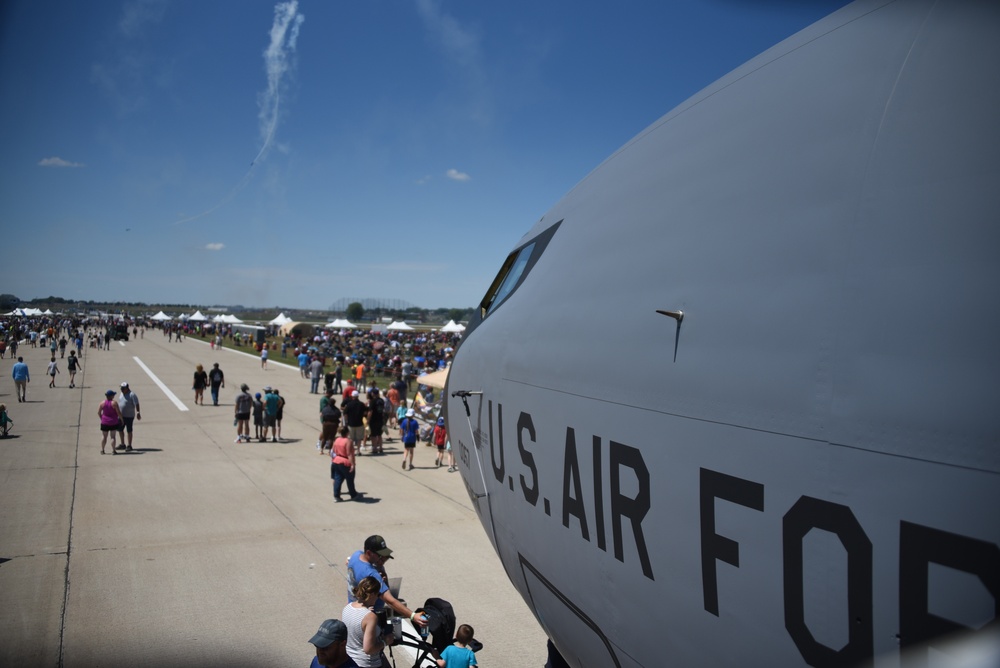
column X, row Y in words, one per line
column 459, row 655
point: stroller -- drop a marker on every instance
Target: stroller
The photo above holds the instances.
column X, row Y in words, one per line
column 441, row 631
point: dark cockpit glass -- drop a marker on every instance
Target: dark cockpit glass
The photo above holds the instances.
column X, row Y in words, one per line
column 517, row 265
column 506, row 279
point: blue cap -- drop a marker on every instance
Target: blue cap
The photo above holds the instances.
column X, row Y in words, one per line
column 257, row 395
column 440, row 421
column 330, row 631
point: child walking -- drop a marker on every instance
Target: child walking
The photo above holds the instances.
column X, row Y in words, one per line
column 53, row 370
column 440, row 439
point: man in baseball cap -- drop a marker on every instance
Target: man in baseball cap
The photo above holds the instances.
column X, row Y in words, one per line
column 371, row 562
column 331, row 645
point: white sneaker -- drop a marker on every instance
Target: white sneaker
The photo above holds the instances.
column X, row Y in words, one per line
column 239, row 439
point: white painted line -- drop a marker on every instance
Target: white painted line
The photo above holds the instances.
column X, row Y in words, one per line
column 159, row 383
column 121, row 343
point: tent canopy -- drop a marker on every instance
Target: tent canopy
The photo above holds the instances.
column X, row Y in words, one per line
column 452, row 326
column 434, row 379
column 303, row 329
column 280, row 319
column 400, row 327
column 160, row 316
column 340, row 323
column 197, row 315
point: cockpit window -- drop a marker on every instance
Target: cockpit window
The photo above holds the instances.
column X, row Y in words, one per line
column 513, row 271
column 505, row 281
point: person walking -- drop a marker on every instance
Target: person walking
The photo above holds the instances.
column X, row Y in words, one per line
column 263, row 357
column 200, row 383
column 53, row 370
column 323, row 401
column 110, row 416
column 72, row 364
column 342, row 462
column 376, row 419
column 315, row 373
column 440, row 440
column 338, row 376
column 410, row 429
column 241, row 420
column 354, row 416
column 303, row 360
column 128, row 408
column 216, row 380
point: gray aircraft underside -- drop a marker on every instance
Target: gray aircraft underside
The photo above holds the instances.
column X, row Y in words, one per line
column 739, row 387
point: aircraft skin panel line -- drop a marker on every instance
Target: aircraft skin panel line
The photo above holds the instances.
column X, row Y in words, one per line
column 805, row 472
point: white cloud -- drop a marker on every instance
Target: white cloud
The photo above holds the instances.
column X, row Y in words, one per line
column 456, row 175
column 58, row 162
column 423, row 179
column 214, row 247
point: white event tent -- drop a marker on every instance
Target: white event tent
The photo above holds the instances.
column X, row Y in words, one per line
column 340, row 323
column 282, row 319
column 400, row 327
column 452, row 326
column 161, row 316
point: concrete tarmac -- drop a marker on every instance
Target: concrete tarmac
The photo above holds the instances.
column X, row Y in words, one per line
column 193, row 550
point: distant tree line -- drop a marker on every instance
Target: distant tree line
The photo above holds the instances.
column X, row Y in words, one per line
column 355, row 311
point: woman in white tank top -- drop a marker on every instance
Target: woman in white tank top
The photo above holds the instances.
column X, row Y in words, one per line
column 364, row 643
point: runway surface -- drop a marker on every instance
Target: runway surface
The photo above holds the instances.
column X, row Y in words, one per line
column 196, row 551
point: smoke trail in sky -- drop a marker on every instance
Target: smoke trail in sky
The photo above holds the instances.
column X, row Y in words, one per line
column 277, row 61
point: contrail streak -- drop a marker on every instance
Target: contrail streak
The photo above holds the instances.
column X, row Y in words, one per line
column 278, row 60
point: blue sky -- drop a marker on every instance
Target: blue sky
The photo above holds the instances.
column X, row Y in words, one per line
column 404, row 145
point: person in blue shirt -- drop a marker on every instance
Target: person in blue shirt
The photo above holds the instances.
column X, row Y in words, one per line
column 409, row 430
column 271, row 413
column 370, row 562
column 459, row 655
column 21, row 379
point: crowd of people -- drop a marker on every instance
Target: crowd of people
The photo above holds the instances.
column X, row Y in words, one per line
column 348, row 364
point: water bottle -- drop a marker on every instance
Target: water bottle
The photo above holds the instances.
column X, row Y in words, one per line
column 423, row 629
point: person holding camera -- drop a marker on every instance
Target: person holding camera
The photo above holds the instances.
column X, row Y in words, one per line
column 366, row 638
